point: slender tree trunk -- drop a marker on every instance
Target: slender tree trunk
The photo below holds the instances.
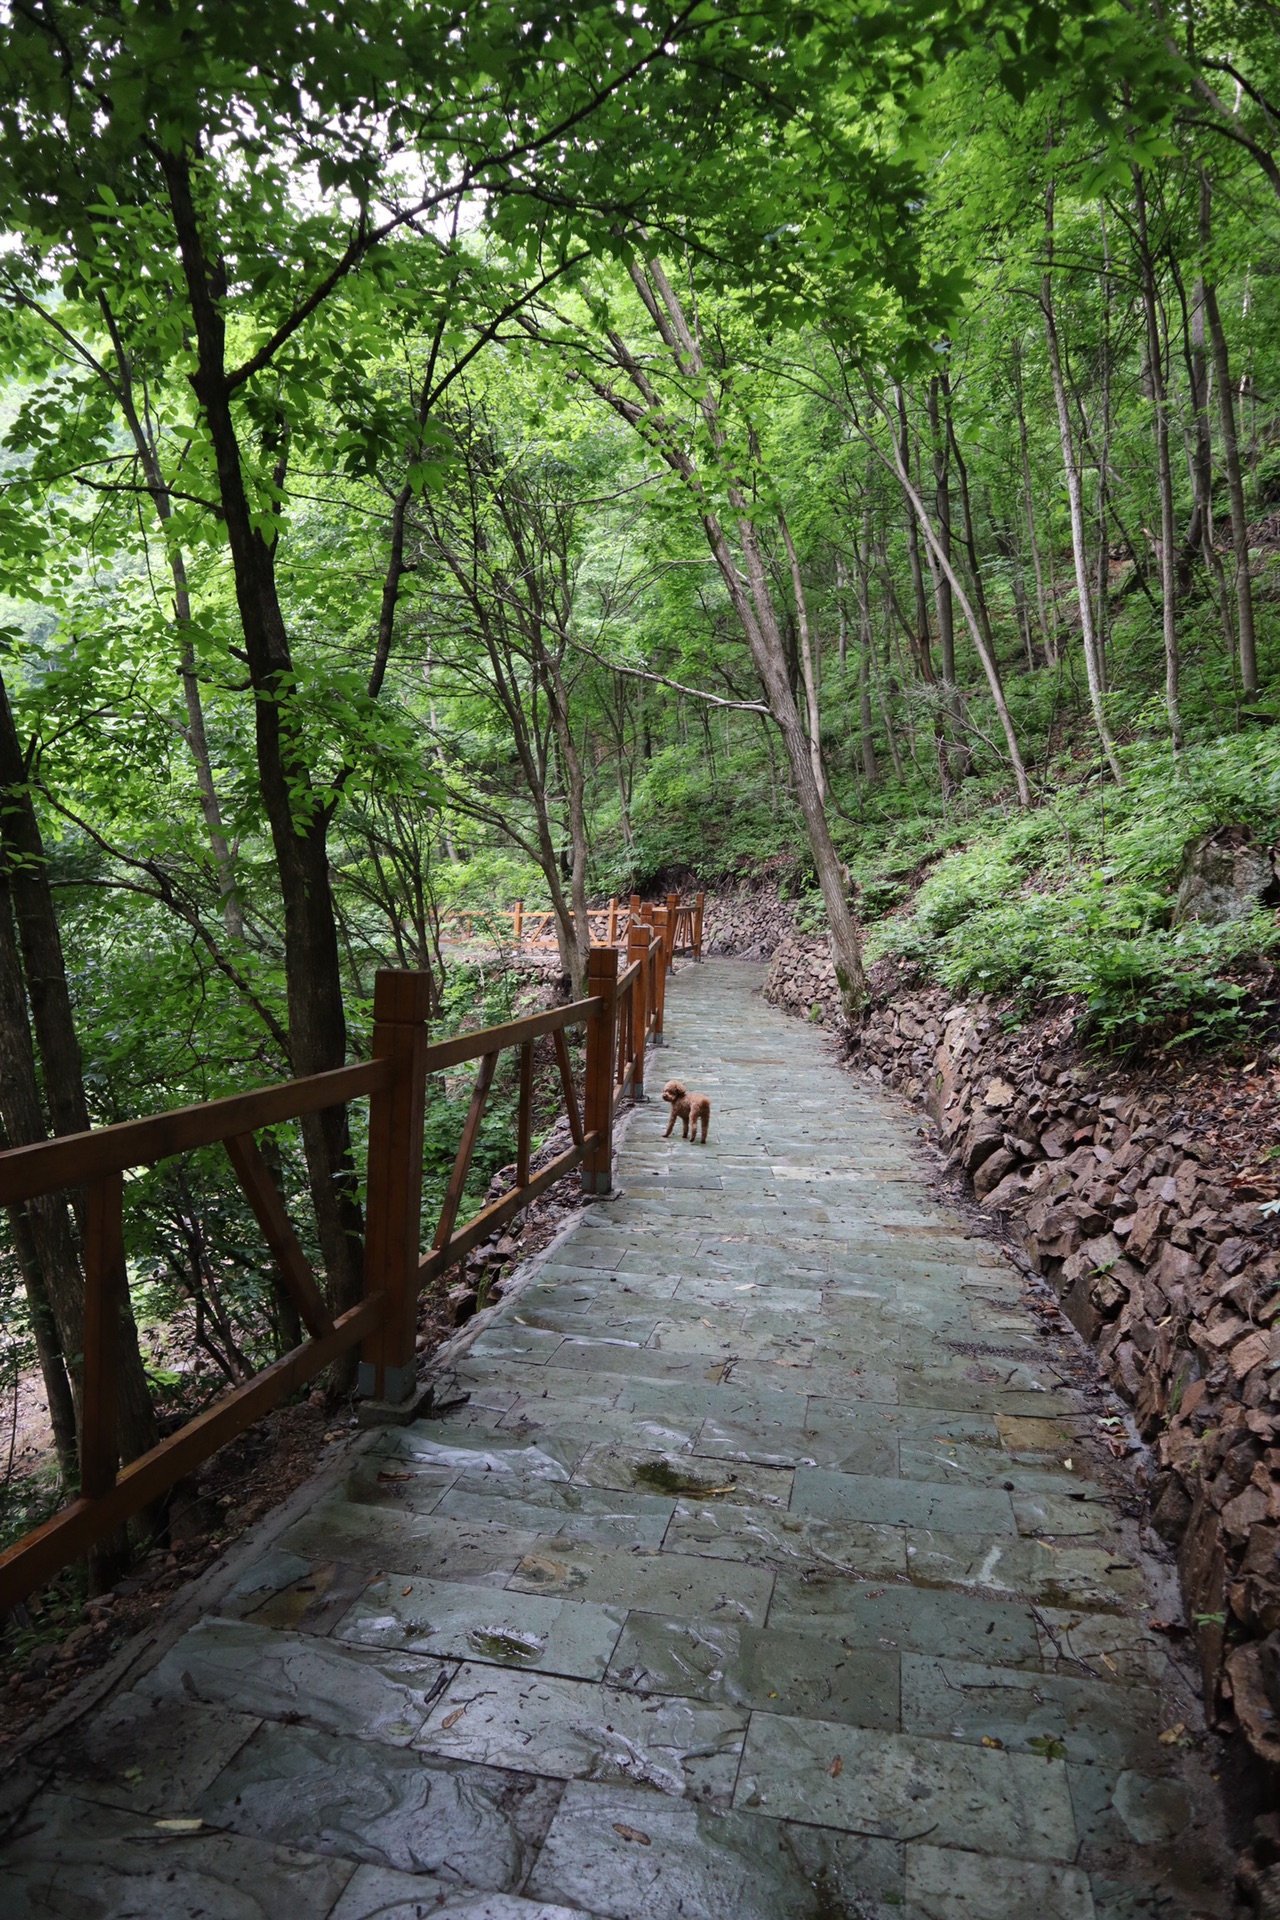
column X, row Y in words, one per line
column 987, row 658
column 807, row 665
column 1235, row 481
column 870, row 769
column 921, row 641
column 753, row 605
column 1048, row 624
column 1075, row 503
column 1164, row 470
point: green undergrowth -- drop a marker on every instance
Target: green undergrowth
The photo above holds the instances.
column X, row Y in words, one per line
column 1077, row 895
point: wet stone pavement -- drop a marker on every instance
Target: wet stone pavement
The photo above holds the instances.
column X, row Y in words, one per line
column 761, row 1576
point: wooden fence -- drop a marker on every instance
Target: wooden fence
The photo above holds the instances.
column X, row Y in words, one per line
column 533, row 930
column 622, row 1013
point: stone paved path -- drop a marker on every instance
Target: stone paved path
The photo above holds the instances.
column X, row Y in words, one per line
column 761, row 1577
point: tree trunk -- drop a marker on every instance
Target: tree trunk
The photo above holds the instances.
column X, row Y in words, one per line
column 921, row 642
column 1235, row 481
column 1075, row 503
column 807, row 665
column 1164, row 471
column 297, row 814
column 755, row 610
column 44, row 1332
column 32, row 959
column 1048, row 627
column 989, row 665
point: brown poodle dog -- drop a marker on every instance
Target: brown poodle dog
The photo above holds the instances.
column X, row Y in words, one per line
column 689, row 1107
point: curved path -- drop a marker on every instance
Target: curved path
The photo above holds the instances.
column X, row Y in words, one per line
column 761, row 1576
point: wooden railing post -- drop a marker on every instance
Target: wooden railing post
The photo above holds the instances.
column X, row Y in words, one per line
column 697, row 925
column 105, row 1285
column 602, row 982
column 673, row 921
column 639, row 940
column 612, row 934
column 517, row 924
column 666, row 940
column 388, row 1366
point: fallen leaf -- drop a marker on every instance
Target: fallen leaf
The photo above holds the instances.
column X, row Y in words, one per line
column 405, row 1592
column 988, row 1740
column 632, row 1833
column 837, row 1767
column 1173, row 1735
column 1165, row 1626
column 179, row 1826
column 452, row 1719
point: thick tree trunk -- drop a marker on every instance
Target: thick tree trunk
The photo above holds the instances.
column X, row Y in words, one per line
column 298, row 816
column 44, row 1332
column 32, row 961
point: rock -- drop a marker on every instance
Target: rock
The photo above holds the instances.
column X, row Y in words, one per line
column 999, row 1094
column 1224, row 877
column 992, row 1171
column 1171, row 1511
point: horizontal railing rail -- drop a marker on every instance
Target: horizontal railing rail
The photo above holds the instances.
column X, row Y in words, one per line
column 621, row 1015
column 534, row 929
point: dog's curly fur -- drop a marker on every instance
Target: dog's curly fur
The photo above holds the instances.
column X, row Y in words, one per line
column 689, row 1107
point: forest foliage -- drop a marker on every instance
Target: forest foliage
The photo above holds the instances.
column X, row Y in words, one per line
column 541, row 452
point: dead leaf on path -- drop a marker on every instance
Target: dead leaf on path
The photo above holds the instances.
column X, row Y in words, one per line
column 179, row 1826
column 632, row 1833
column 989, row 1740
column 837, row 1767
column 452, row 1719
column 405, row 1592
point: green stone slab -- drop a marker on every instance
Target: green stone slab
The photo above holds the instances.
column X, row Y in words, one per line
column 908, row 1619
column 628, row 1852
column 576, row 1729
column 1031, row 1712
column 901, row 1503
column 907, row 1788
column 775, row 1669
column 806, row 1544
column 447, row 1822
column 672, row 1583
column 449, row 1620
column 72, row 1860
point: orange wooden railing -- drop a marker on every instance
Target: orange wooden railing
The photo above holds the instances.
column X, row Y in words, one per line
column 622, row 1013
column 534, row 930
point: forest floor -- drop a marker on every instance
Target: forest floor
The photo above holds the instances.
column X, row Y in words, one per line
column 772, row 1565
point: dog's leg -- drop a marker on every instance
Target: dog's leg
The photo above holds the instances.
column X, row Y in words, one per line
column 670, row 1124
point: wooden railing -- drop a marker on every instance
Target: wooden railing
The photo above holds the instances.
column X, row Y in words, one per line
column 621, row 1014
column 533, row 930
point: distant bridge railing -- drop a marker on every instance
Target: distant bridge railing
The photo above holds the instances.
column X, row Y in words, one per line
column 533, row 929
column 622, row 1014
